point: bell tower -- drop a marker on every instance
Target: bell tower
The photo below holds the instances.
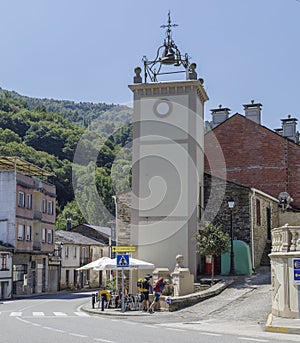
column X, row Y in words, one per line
column 168, row 157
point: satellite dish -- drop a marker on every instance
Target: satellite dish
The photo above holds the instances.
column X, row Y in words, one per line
column 284, row 200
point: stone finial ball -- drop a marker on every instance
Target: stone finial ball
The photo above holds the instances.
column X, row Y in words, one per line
column 137, row 71
column 193, row 66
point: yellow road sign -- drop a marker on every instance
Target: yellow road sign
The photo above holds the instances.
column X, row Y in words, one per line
column 123, row 248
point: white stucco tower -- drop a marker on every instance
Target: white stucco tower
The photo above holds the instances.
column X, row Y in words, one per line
column 167, row 173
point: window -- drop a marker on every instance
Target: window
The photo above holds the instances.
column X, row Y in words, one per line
column 21, row 232
column 44, row 235
column 29, row 201
column 75, row 251
column 21, row 199
column 67, row 277
column 83, row 255
column 44, row 206
column 50, row 207
column 67, row 251
column 258, row 216
column 50, row 237
column 19, row 270
column 28, row 233
column 3, row 261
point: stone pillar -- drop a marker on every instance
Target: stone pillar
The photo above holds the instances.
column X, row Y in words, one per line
column 284, row 272
column 284, row 292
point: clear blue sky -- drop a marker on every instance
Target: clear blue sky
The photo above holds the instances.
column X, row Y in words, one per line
column 86, row 50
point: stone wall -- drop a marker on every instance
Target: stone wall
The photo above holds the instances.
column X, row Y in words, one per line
column 291, row 217
column 124, row 218
column 249, row 205
column 221, row 216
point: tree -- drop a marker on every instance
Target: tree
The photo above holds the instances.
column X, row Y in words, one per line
column 211, row 240
column 70, row 211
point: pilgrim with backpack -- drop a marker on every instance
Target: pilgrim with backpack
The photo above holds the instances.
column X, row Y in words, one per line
column 157, row 289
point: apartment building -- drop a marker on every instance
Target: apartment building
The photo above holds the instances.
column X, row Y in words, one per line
column 5, row 272
column 77, row 250
column 27, row 222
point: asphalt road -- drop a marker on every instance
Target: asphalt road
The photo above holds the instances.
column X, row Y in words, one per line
column 236, row 315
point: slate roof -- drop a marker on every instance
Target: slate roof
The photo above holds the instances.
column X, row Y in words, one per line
column 98, row 233
column 101, row 229
column 75, row 238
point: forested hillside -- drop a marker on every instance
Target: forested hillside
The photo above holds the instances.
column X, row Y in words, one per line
column 30, row 130
column 82, row 113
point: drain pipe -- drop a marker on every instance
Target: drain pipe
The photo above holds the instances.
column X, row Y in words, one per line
column 252, row 228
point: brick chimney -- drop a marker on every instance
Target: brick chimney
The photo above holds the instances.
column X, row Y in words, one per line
column 219, row 115
column 253, row 112
column 289, row 129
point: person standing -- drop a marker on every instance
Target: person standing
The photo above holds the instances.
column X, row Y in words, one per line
column 145, row 292
column 157, row 289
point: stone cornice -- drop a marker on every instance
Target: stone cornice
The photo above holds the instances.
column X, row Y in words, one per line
column 166, row 88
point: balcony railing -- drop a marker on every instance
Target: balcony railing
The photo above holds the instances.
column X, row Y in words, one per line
column 37, row 246
column 286, row 239
column 84, row 261
column 37, row 214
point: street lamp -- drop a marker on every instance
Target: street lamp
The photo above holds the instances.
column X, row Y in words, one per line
column 116, row 233
column 231, row 206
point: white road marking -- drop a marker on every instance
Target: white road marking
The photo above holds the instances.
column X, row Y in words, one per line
column 77, row 335
column 38, row 314
column 16, row 314
column 150, row 326
column 253, row 339
column 174, row 329
column 59, row 314
column 82, row 314
column 103, row 340
column 58, row 330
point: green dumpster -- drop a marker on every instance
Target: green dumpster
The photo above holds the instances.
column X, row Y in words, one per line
column 242, row 259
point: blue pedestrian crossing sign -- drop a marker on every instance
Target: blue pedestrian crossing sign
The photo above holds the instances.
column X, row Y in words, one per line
column 296, row 270
column 122, row 260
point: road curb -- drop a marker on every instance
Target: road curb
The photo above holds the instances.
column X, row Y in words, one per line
column 112, row 312
column 195, row 298
column 271, row 326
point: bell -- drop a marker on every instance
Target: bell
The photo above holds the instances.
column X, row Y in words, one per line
column 168, row 56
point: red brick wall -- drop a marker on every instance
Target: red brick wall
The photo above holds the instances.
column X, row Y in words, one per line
column 255, row 157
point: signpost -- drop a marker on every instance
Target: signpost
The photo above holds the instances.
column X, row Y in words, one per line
column 125, row 248
column 296, row 272
column 123, row 262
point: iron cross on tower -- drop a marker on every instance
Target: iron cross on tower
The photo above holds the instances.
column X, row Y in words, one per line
column 167, row 54
column 168, row 26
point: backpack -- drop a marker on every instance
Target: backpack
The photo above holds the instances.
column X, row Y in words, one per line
column 158, row 286
column 140, row 283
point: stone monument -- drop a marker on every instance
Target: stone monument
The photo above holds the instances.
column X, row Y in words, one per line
column 183, row 280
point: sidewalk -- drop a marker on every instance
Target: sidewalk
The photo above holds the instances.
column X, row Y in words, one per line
column 273, row 323
column 210, row 292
